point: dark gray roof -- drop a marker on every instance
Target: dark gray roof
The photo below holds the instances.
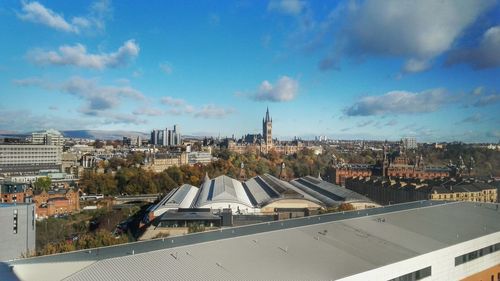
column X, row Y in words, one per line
column 174, row 215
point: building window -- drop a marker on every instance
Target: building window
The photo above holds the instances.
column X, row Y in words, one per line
column 416, row 275
column 14, row 222
column 476, row 254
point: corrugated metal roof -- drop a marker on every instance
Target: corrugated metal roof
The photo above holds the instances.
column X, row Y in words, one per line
column 312, row 248
column 222, row 189
column 328, row 193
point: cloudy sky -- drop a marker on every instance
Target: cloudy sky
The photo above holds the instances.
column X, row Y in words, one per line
column 353, row 69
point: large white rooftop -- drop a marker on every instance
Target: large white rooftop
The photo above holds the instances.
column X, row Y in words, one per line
column 323, row 247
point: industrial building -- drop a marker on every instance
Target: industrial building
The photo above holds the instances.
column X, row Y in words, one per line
column 262, row 195
column 181, row 197
column 331, row 194
column 224, row 192
column 272, row 195
column 18, row 230
column 435, row 240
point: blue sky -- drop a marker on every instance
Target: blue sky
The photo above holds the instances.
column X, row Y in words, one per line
column 353, row 69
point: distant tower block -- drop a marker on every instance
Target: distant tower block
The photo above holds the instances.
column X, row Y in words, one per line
column 283, row 175
column 243, row 175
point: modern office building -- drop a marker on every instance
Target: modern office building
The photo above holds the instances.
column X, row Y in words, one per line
column 413, row 241
column 17, row 231
column 48, row 137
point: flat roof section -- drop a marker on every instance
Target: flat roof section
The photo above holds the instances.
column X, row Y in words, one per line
column 322, row 247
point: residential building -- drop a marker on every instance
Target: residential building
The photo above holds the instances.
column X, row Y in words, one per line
column 17, row 231
column 391, row 191
column 14, row 192
column 166, row 137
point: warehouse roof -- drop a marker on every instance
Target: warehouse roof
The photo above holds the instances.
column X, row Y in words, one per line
column 222, row 189
column 328, row 193
column 181, row 197
column 323, row 247
column 267, row 188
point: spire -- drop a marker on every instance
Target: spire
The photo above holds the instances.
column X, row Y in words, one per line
column 267, row 115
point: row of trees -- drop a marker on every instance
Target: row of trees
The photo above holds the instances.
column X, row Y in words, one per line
column 125, row 176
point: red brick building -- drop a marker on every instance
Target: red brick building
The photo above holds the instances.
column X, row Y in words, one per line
column 56, row 202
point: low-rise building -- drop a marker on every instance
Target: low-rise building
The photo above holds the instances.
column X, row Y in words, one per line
column 56, row 202
column 392, row 191
column 199, row 157
column 14, row 192
column 161, row 162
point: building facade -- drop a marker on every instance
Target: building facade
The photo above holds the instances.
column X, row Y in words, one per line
column 160, row 162
column 14, row 192
column 391, row 191
column 29, row 157
column 17, row 231
column 166, row 137
column 48, row 137
column 56, row 202
column 264, row 143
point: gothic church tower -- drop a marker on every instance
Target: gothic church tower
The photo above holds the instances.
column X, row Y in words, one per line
column 267, row 130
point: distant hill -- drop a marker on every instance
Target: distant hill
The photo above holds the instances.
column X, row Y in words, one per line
column 102, row 134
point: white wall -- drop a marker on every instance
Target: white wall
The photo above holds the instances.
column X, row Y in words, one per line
column 442, row 262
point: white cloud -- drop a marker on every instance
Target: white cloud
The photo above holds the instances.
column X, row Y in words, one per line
column 476, row 118
column 417, row 31
column 95, row 19
column 213, row 111
column 148, row 111
column 285, row 89
column 179, row 107
column 172, row 101
column 486, row 55
column 414, row 65
column 487, row 100
column 77, row 56
column 98, row 97
column 400, row 102
column 28, row 82
column 166, row 68
column 291, row 7
column 36, row 12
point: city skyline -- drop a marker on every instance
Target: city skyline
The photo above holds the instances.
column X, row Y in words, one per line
column 345, row 70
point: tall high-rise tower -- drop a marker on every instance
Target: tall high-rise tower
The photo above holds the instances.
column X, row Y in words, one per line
column 267, row 130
